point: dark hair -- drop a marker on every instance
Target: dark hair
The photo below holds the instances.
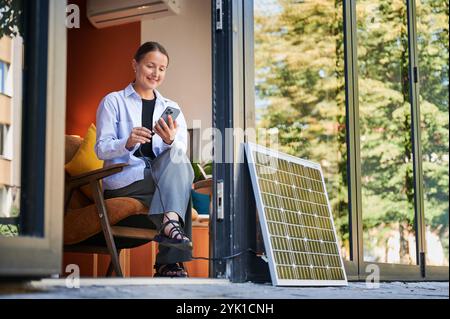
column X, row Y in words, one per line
column 150, row 47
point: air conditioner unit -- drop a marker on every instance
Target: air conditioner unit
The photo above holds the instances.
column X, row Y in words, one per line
column 106, row 13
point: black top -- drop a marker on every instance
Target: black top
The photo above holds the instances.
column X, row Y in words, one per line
column 148, row 107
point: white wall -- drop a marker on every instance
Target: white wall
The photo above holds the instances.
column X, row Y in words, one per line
column 187, row 38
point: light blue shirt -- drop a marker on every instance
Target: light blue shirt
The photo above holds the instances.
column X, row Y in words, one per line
column 118, row 113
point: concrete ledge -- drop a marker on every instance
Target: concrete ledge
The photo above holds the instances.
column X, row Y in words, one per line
column 166, row 288
column 138, row 281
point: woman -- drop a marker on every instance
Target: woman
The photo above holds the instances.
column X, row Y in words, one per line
column 130, row 130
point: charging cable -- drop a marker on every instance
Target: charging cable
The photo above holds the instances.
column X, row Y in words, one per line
column 249, row 250
column 148, row 165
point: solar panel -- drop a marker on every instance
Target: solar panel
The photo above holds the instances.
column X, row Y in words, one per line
column 296, row 220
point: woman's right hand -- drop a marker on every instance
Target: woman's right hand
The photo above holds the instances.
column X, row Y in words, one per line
column 138, row 135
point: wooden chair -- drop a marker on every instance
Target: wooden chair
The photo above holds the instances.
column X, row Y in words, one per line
column 103, row 226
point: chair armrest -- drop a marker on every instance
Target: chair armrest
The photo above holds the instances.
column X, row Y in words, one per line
column 95, row 175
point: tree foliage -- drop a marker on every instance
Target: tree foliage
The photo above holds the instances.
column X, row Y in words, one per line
column 11, row 23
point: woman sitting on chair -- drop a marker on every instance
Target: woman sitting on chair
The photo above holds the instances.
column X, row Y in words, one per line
column 130, row 130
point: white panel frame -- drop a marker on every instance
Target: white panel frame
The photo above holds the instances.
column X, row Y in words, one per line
column 276, row 281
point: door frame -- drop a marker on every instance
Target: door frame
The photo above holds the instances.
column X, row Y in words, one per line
column 222, row 122
column 45, row 84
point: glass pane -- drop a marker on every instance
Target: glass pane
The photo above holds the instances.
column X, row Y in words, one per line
column 432, row 33
column 300, row 90
column 11, row 48
column 385, row 132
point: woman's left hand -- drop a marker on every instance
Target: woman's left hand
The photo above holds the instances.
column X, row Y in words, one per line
column 165, row 130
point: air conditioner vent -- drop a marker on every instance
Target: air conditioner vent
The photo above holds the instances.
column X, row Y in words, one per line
column 103, row 13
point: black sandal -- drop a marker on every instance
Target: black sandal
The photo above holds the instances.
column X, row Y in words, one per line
column 163, row 270
column 182, row 243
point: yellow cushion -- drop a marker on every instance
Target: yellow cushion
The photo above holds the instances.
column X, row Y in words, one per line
column 85, row 159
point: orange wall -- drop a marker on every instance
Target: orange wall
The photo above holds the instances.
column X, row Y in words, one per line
column 98, row 62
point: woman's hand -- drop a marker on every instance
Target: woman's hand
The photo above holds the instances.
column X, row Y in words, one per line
column 138, row 135
column 167, row 131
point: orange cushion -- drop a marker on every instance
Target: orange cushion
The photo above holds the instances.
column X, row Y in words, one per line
column 82, row 223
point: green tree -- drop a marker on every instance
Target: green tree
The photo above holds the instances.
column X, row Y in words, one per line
column 11, row 23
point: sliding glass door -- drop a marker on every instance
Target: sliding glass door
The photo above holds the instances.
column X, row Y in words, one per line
column 433, row 50
column 386, row 156
column 300, row 103
column 360, row 87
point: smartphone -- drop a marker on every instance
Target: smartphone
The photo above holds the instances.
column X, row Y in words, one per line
column 170, row 111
